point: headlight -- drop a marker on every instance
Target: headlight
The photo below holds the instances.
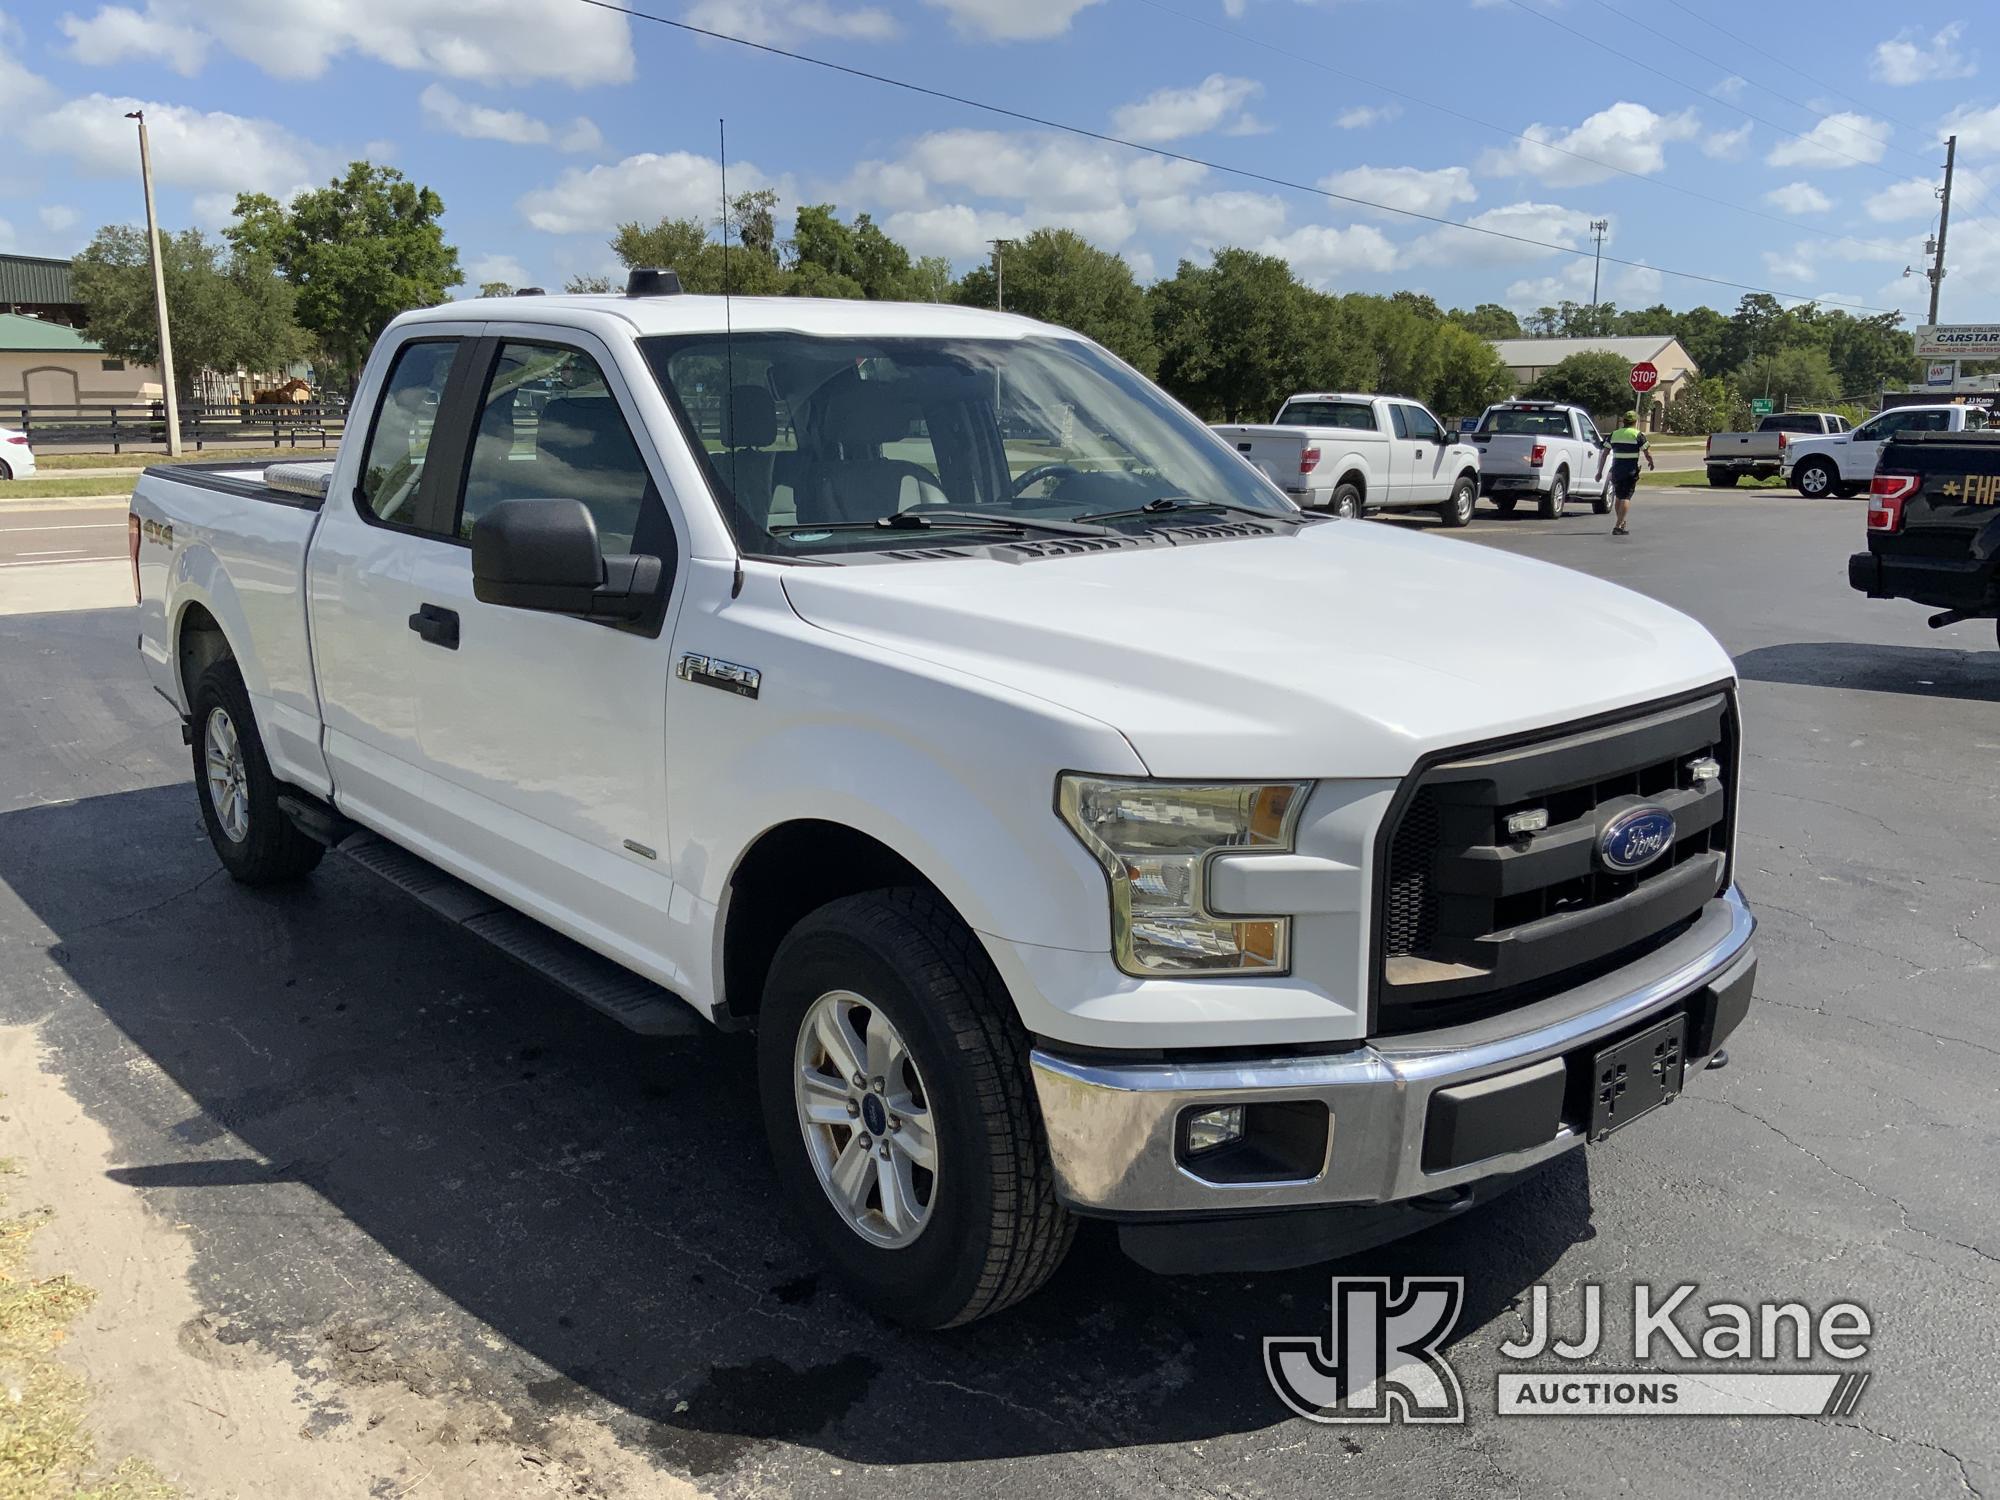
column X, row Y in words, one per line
column 1154, row 839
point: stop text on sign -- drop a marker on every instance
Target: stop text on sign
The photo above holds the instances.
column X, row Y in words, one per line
column 1645, row 376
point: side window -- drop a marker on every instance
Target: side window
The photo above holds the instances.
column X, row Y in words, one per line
column 1399, row 417
column 1929, row 421
column 1424, row 427
column 1886, row 425
column 548, row 427
column 392, row 465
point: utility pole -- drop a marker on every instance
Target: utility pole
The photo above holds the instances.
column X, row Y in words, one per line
column 159, row 292
column 999, row 274
column 1598, row 228
column 1944, row 223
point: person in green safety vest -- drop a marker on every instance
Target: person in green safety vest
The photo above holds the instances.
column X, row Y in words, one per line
column 1628, row 446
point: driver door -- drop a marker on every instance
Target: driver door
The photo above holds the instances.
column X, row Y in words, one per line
column 1858, row 456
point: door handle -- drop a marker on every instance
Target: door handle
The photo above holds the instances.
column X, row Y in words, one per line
column 437, row 625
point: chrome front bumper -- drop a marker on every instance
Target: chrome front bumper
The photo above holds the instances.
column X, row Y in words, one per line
column 1113, row 1126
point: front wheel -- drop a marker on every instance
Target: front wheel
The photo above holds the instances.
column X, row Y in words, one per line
column 253, row 838
column 1457, row 511
column 901, row 1114
column 1600, row 502
column 1556, row 500
column 1814, row 480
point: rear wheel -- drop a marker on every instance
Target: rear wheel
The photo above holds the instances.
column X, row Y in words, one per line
column 1814, row 478
column 6, row 471
column 901, row 1114
column 1347, row 500
column 1457, row 511
column 1505, row 503
column 1723, row 479
column 253, row 838
column 1556, row 500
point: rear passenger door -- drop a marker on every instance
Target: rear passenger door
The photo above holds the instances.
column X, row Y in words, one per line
column 543, row 735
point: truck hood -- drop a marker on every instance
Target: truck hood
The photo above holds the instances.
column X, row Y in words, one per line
column 1343, row 649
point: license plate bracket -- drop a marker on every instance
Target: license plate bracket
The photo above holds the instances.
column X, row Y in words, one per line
column 1635, row 1076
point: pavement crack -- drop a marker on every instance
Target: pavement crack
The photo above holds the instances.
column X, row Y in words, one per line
column 151, row 906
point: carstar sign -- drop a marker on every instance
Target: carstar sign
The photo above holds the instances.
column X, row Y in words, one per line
column 1645, row 376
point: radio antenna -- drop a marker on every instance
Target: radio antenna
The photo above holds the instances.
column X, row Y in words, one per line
column 728, row 338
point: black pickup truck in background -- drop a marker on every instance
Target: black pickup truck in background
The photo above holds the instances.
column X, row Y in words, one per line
column 1934, row 525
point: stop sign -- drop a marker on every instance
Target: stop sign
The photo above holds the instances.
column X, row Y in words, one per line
column 1645, row 377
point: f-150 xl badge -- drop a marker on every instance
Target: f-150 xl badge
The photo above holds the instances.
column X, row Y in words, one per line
column 713, row 671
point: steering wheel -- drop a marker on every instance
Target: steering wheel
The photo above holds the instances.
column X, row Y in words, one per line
column 1040, row 472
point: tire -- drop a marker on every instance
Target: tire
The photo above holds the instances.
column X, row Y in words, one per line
column 1347, row 500
column 256, row 842
column 1505, row 503
column 1815, row 479
column 1457, row 511
column 6, row 472
column 1723, row 479
column 1556, row 500
column 1600, row 503
column 1847, row 491
column 990, row 1230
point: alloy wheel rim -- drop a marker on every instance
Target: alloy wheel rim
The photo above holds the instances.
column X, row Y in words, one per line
column 866, row 1118
column 228, row 783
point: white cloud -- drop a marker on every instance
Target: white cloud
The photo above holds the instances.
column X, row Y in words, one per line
column 774, row 20
column 1905, row 58
column 1361, row 116
column 485, row 40
column 200, row 150
column 1409, row 188
column 1912, row 198
column 117, row 33
column 646, row 187
column 1172, row 114
column 957, row 230
column 482, row 122
column 1978, row 130
column 1799, row 198
column 1846, row 139
column 1320, row 252
column 1550, row 223
column 1628, row 286
column 1211, row 219
column 484, row 268
column 1726, row 145
column 1730, row 87
column 1625, row 137
column 57, row 217
column 1012, row 20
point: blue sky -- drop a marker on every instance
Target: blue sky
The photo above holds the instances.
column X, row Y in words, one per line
column 544, row 122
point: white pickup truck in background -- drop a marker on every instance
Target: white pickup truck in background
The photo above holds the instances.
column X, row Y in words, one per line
column 1083, row 830
column 1732, row 456
column 1353, row 453
column 1543, row 449
column 1844, row 463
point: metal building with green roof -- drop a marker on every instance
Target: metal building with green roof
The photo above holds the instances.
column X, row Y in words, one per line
column 41, row 286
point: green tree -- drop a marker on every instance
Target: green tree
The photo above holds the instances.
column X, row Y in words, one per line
column 1868, row 353
column 1060, row 277
column 1239, row 335
column 684, row 247
column 756, row 218
column 228, row 312
column 1489, row 320
column 1467, row 374
column 930, row 279
column 587, row 284
column 1795, row 377
column 360, row 250
column 496, row 289
column 1600, row 383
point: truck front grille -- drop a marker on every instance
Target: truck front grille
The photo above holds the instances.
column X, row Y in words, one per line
column 1473, row 921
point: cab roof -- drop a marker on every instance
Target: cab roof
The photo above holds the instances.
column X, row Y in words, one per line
column 686, row 312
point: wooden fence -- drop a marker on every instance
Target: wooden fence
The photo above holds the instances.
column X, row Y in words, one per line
column 204, row 424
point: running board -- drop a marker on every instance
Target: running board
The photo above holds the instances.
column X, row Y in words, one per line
column 633, row 1002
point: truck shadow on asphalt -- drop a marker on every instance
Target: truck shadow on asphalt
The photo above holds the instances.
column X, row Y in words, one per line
column 396, row 1136
column 1920, row 671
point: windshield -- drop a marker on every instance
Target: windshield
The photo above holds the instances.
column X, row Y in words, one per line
column 1354, row 416
column 1526, row 420
column 822, row 437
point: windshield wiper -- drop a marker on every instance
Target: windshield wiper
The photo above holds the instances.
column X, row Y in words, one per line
column 1174, row 504
column 929, row 517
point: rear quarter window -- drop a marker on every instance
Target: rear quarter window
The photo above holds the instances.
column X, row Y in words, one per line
column 1352, row 416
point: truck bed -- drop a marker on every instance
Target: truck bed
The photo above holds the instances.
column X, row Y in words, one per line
column 242, row 539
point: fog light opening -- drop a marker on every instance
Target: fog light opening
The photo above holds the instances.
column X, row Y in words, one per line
column 1286, row 1141
column 1213, row 1129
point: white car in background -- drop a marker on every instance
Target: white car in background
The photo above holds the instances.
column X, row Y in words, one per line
column 17, row 459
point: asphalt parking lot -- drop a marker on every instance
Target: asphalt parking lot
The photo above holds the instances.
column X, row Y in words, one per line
column 406, row 1172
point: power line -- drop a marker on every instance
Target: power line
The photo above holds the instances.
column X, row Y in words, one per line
column 1214, row 166
column 1292, row 54
column 1602, row 46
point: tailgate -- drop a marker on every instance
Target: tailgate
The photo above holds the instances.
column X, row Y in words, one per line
column 1275, row 450
column 1505, row 453
column 1955, row 508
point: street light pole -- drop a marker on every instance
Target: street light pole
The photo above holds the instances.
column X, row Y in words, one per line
column 1944, row 223
column 999, row 274
column 1598, row 227
column 159, row 292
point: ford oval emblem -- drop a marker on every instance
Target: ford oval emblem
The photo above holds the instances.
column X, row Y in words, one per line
column 1635, row 838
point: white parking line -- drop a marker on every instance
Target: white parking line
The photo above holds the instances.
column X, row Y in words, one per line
column 71, row 526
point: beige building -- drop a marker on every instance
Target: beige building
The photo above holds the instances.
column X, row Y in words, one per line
column 1527, row 360
column 50, row 364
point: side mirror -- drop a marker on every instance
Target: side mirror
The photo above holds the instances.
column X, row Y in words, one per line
column 544, row 554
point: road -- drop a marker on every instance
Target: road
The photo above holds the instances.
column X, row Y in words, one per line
column 408, row 1178
column 32, row 535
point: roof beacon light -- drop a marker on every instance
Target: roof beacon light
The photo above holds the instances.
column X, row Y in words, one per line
column 647, row 281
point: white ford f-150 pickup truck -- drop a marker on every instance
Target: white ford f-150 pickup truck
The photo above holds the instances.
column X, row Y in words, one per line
column 1844, row 463
column 1083, row 829
column 1354, row 453
column 1730, row 456
column 1543, row 449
